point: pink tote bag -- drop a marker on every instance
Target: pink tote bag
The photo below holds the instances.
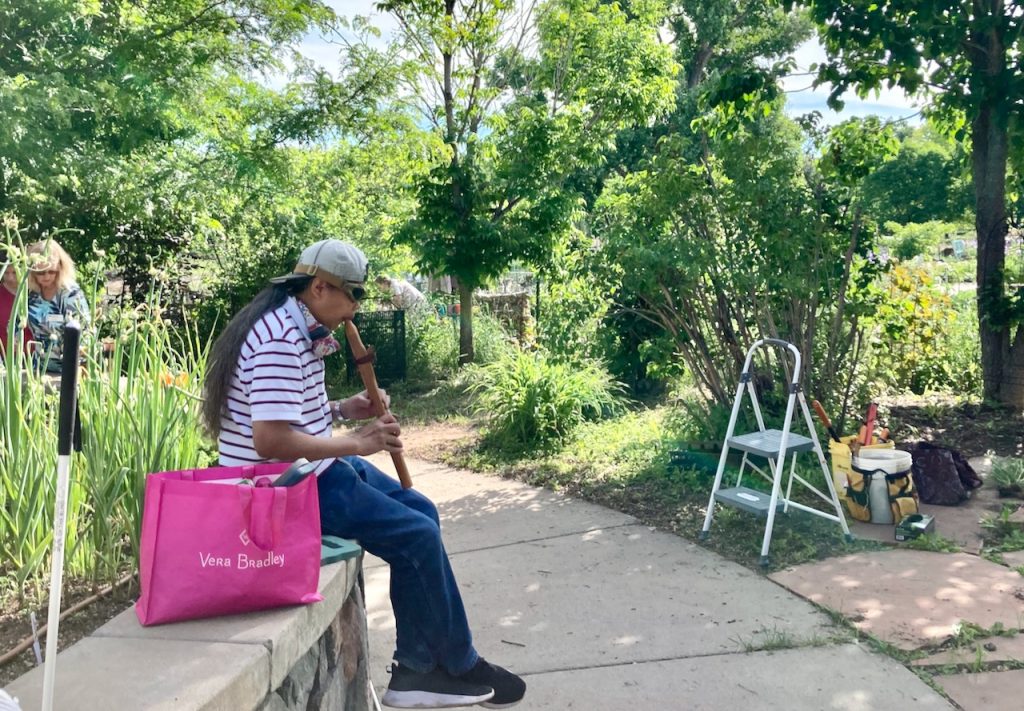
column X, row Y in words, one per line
column 211, row 549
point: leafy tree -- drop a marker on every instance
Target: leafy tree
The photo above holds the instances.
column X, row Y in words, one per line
column 85, row 85
column 921, row 183
column 964, row 56
column 686, row 203
column 141, row 124
column 731, row 54
column 515, row 123
column 753, row 240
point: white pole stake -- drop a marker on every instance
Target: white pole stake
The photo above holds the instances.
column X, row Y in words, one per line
column 66, row 427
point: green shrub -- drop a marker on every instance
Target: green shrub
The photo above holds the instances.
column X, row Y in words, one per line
column 926, row 340
column 432, row 345
column 570, row 316
column 432, row 348
column 921, row 239
column 531, row 401
column 491, row 342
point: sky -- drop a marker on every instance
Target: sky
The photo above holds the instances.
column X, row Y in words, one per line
column 800, row 97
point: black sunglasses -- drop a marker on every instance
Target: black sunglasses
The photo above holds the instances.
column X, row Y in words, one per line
column 356, row 293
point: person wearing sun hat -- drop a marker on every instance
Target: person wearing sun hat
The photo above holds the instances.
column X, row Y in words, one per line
column 53, row 299
column 265, row 400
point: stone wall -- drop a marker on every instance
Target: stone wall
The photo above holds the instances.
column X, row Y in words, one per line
column 332, row 675
column 310, row 657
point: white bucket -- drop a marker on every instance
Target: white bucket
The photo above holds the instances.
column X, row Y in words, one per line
column 890, row 461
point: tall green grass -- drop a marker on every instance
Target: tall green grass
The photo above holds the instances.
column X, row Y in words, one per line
column 138, row 408
column 530, row 401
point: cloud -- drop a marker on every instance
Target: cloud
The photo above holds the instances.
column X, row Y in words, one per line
column 802, row 98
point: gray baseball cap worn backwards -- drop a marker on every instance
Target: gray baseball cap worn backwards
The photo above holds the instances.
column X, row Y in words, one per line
column 332, row 260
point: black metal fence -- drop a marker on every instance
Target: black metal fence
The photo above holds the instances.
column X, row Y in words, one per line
column 385, row 332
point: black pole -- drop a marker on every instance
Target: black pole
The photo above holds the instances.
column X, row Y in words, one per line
column 68, row 388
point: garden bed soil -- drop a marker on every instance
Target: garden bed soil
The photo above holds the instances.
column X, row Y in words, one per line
column 15, row 624
column 973, row 428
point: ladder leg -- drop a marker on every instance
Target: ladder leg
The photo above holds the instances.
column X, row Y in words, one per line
column 721, row 461
column 780, row 464
column 789, row 485
column 770, row 523
column 836, row 504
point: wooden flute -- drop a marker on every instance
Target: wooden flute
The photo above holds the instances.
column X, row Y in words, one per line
column 364, row 362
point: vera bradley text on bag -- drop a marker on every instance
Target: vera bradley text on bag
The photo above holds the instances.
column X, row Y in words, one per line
column 225, row 549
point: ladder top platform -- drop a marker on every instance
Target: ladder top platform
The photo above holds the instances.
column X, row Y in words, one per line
column 767, row 443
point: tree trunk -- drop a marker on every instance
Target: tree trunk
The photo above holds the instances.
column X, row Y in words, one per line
column 465, row 324
column 1002, row 362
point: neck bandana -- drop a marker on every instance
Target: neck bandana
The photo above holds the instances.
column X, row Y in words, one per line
column 324, row 344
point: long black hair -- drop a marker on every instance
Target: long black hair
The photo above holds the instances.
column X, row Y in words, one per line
column 220, row 367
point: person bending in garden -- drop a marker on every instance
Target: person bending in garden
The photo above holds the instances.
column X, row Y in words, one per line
column 266, row 401
column 402, row 294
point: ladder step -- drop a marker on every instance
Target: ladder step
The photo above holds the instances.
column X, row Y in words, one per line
column 766, row 444
column 746, row 499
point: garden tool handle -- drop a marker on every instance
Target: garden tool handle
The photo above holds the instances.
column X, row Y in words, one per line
column 364, row 362
column 869, row 424
column 823, row 416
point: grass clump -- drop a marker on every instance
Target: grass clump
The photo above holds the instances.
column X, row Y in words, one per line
column 1001, row 533
column 1008, row 475
column 531, row 402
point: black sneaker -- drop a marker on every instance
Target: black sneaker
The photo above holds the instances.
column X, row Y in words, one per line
column 509, row 689
column 434, row 690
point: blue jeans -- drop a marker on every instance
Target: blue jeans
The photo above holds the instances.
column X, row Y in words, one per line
column 359, row 501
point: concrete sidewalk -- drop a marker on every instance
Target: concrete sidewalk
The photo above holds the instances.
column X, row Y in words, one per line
column 601, row 613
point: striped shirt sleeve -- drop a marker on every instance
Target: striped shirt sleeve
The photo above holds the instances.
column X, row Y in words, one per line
column 275, row 393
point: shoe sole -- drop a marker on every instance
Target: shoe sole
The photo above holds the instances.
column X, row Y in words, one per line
column 489, row 705
column 428, row 700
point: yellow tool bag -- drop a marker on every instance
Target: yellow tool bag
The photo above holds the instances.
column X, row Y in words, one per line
column 842, row 459
column 878, row 495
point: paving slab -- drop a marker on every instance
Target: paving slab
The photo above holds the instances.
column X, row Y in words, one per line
column 1014, row 559
column 960, row 524
column 601, row 613
column 1003, row 649
column 987, row 691
column 152, row 676
column 613, row 596
column 810, row 679
column 910, row 598
column 481, row 511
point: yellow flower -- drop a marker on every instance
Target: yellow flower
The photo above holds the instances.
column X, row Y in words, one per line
column 179, row 381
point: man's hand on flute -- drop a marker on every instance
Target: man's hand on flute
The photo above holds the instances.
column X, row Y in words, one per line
column 380, row 434
column 360, row 407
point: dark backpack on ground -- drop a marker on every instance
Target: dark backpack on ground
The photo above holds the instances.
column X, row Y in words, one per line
column 943, row 476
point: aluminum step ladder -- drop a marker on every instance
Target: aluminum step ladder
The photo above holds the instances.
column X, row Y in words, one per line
column 775, row 446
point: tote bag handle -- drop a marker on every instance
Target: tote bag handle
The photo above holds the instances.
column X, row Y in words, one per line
column 264, row 514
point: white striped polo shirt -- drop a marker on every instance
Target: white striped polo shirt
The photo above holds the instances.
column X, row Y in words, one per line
column 278, row 378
